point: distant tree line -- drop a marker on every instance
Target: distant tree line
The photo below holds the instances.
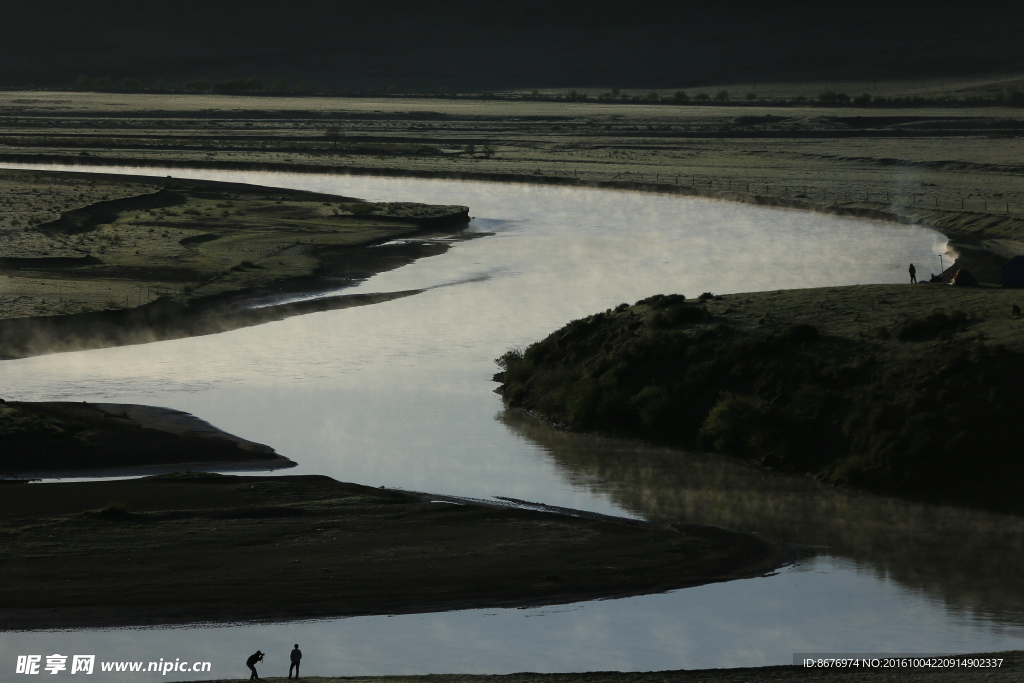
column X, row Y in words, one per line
column 827, row 98
column 234, row 86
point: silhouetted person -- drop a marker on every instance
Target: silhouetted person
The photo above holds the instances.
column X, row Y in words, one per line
column 251, row 663
column 913, row 274
column 296, row 658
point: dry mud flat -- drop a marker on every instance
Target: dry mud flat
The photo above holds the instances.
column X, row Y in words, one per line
column 183, row 548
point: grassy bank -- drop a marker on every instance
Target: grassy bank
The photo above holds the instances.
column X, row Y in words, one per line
column 902, row 389
column 95, row 259
column 194, row 547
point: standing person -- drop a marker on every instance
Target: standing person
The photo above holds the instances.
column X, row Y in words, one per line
column 251, row 663
column 913, row 274
column 296, row 658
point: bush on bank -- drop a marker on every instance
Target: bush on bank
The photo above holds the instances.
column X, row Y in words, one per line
column 913, row 409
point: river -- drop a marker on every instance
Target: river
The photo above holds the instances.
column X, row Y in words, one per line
column 400, row 395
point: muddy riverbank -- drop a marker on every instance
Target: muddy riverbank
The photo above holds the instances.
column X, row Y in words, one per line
column 201, row 547
column 63, row 439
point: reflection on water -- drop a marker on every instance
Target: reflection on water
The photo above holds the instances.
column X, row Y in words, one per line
column 399, row 394
column 823, row 605
column 971, row 558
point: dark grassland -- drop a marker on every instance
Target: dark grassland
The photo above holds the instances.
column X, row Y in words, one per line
column 89, row 439
column 901, row 389
column 192, row 547
column 1010, row 671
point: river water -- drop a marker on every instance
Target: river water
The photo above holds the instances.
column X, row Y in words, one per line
column 399, row 395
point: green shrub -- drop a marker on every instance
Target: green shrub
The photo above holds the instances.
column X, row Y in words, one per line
column 733, row 424
column 653, row 405
column 509, row 358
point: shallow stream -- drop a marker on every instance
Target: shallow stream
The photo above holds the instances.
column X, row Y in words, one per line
column 400, row 395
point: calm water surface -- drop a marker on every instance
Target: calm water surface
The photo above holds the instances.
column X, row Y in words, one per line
column 399, row 394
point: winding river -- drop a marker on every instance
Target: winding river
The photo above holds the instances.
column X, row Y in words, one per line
column 400, row 395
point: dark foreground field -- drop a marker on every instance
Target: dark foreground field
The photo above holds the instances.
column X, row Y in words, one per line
column 94, row 439
column 1010, row 670
column 204, row 547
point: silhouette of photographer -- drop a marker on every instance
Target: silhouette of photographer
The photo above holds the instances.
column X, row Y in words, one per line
column 251, row 663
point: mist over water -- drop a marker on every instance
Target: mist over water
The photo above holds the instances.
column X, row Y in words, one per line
column 399, row 394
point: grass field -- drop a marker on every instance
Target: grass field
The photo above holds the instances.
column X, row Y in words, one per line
column 74, row 244
column 955, row 168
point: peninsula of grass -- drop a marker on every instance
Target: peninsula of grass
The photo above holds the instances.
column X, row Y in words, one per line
column 90, row 439
column 911, row 390
column 100, row 260
column 183, row 548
